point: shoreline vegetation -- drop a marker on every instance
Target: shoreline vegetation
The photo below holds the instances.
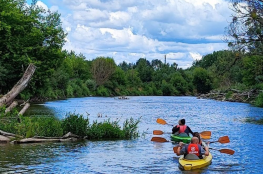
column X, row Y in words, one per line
column 31, row 35
column 38, row 129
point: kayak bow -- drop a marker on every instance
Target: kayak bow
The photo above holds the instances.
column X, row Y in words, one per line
column 185, row 164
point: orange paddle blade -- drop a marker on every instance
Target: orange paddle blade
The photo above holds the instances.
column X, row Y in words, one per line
column 205, row 137
column 227, row 151
column 161, row 121
column 175, row 149
column 206, row 133
column 224, row 139
column 159, row 139
column 157, row 132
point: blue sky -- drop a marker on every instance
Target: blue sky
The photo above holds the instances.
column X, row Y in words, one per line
column 184, row 30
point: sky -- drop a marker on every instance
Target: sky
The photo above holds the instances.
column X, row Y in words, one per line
column 126, row 30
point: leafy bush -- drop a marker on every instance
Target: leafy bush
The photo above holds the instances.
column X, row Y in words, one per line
column 75, row 124
column 130, row 127
column 259, row 100
column 112, row 130
column 105, row 130
column 47, row 126
column 102, row 91
column 229, row 94
column 91, row 84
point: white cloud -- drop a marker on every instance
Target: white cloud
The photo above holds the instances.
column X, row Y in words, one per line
column 196, row 56
column 184, row 30
column 42, row 5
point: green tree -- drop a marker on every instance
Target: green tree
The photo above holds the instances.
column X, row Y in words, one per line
column 253, row 70
column 202, row 80
column 102, row 69
column 144, row 69
column 29, row 35
column 245, row 30
column 179, row 83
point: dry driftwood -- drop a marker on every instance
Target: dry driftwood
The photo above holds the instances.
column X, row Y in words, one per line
column 23, row 110
column 7, row 133
column 13, row 105
column 19, row 86
column 4, row 139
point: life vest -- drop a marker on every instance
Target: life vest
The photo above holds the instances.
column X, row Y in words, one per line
column 182, row 128
column 194, row 149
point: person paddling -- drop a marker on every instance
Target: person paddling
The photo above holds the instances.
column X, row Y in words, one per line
column 182, row 128
column 193, row 148
column 203, row 144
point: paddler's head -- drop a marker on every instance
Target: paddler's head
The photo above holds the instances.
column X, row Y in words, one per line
column 196, row 134
column 182, row 121
column 194, row 140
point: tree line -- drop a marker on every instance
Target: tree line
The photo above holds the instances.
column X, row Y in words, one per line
column 29, row 34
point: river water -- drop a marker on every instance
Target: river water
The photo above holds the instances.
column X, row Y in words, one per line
column 142, row 155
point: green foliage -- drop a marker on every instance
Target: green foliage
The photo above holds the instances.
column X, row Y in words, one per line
column 105, row 130
column 8, row 121
column 229, row 94
column 29, row 34
column 119, row 77
column 91, row 84
column 259, row 100
column 112, row 130
column 179, row 83
column 144, row 69
column 130, row 127
column 202, row 80
column 253, row 70
column 102, row 91
column 245, row 30
column 240, row 86
column 168, row 89
column 102, row 69
column 75, row 124
column 47, row 126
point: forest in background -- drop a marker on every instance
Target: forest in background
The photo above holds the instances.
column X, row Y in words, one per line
column 29, row 34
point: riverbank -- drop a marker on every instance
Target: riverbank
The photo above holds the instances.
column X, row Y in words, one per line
column 232, row 95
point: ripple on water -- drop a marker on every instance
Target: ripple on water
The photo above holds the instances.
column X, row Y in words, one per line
column 142, row 155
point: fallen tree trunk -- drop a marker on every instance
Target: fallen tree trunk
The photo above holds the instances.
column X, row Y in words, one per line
column 24, row 109
column 20, row 86
column 13, row 105
column 8, row 134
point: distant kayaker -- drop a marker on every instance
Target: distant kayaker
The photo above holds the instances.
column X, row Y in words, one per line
column 182, row 128
column 203, row 144
column 193, row 148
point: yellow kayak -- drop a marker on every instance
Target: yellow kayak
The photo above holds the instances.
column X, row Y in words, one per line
column 186, row 164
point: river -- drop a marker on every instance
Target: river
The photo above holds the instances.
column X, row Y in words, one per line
column 142, row 155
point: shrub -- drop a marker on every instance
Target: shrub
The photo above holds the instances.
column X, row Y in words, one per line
column 229, row 94
column 75, row 124
column 102, row 91
column 105, row 130
column 130, row 127
column 47, row 126
column 112, row 130
column 259, row 100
